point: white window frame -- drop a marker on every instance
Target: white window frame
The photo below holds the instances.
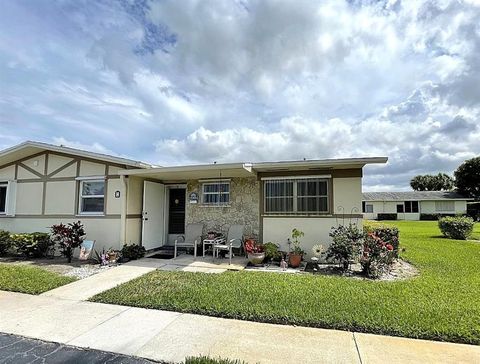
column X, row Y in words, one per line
column 367, row 206
column 219, row 193
column 5, row 184
column 295, row 197
column 81, row 196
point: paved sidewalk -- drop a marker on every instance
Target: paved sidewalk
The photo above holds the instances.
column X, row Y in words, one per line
column 170, row 336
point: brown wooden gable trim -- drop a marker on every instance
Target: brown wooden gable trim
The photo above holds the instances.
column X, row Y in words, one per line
column 74, row 156
column 31, row 170
column 22, row 159
column 65, row 166
column 44, row 196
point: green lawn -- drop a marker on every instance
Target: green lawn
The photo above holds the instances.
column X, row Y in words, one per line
column 443, row 303
column 476, row 232
column 28, row 279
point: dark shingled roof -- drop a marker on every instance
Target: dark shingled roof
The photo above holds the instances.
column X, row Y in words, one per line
column 413, row 195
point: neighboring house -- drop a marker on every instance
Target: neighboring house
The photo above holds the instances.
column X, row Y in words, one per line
column 410, row 205
column 125, row 201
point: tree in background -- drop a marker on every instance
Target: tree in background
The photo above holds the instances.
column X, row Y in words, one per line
column 427, row 182
column 467, row 178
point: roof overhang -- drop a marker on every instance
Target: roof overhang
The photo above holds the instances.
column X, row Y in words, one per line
column 182, row 173
column 345, row 163
column 228, row 170
column 26, row 149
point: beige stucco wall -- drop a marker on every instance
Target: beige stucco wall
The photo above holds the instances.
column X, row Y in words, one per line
column 57, row 161
column 58, row 198
column 61, row 198
column 7, row 173
column 106, row 232
column 135, row 195
column 88, row 168
column 347, row 195
column 347, row 199
column 316, row 230
column 23, row 173
column 134, row 231
column 29, row 198
column 243, row 207
column 114, row 205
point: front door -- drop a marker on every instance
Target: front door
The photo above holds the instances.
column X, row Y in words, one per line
column 176, row 212
column 153, row 231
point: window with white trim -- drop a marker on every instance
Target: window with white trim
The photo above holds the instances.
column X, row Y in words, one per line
column 296, row 196
column 216, row 193
column 3, row 198
column 444, row 206
column 92, row 196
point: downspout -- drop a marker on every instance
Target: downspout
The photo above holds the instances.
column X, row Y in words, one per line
column 123, row 212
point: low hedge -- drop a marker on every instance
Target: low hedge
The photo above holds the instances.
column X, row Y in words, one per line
column 433, row 217
column 386, row 216
column 5, row 242
column 133, row 251
column 32, row 245
column 459, row 227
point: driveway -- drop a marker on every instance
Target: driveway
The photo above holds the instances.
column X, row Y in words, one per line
column 17, row 349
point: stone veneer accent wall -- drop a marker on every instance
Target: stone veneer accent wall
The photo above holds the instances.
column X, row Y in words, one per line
column 244, row 207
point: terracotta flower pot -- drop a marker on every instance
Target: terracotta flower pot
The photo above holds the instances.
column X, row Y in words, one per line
column 256, row 258
column 294, row 260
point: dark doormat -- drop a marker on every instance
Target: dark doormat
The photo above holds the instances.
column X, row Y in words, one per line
column 162, row 256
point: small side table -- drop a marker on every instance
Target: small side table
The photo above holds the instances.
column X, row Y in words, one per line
column 211, row 242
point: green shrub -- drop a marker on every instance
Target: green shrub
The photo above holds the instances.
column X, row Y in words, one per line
column 32, row 245
column 458, row 227
column 377, row 255
column 386, row 216
column 388, row 234
column 271, row 252
column 433, row 217
column 208, row 360
column 133, row 251
column 346, row 245
column 5, row 242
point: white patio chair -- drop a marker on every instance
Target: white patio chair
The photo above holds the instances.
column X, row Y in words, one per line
column 234, row 241
column 192, row 237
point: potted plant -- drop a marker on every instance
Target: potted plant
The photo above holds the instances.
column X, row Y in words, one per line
column 272, row 254
column 296, row 253
column 255, row 251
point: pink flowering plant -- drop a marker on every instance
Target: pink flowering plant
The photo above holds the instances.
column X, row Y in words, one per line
column 377, row 255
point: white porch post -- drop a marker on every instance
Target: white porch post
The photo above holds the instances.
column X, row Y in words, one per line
column 123, row 212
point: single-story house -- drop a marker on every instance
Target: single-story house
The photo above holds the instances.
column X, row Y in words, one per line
column 125, row 201
column 410, row 205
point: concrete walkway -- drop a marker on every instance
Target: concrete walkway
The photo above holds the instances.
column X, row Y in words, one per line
column 86, row 288
column 169, row 336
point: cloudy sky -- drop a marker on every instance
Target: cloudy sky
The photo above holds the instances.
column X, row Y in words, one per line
column 173, row 82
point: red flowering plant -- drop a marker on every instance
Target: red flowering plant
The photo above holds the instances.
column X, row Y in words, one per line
column 377, row 255
column 252, row 246
column 67, row 237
